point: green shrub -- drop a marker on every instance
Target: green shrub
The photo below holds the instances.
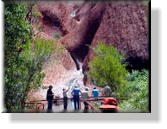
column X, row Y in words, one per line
column 131, row 89
column 135, row 97
column 37, row 50
column 34, row 55
column 107, row 67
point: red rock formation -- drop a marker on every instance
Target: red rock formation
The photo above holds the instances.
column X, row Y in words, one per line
column 89, row 17
column 121, row 24
column 125, row 26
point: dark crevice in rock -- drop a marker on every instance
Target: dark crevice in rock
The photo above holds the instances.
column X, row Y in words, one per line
column 54, row 21
column 137, row 63
column 75, row 61
column 82, row 50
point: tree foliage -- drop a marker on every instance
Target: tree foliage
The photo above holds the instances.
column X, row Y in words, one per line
column 107, row 67
column 135, row 94
column 131, row 89
column 23, row 57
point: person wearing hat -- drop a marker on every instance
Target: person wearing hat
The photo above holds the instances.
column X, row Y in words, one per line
column 49, row 98
column 76, row 92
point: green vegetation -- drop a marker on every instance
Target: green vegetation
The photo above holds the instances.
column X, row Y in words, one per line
column 131, row 89
column 23, row 57
column 135, row 93
column 107, row 67
column 35, row 53
column 44, row 87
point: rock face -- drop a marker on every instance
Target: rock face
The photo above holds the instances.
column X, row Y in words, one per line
column 89, row 18
column 126, row 27
column 122, row 24
column 57, row 17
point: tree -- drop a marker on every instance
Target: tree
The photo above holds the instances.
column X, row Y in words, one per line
column 107, row 67
column 23, row 57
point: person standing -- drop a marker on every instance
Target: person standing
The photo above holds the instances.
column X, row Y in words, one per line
column 95, row 93
column 65, row 98
column 107, row 91
column 76, row 92
column 85, row 96
column 50, row 98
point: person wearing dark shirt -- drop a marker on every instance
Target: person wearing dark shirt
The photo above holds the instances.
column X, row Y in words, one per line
column 50, row 98
column 76, row 92
column 65, row 98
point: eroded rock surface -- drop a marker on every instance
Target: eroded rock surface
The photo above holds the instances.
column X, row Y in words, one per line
column 121, row 24
column 126, row 27
column 80, row 25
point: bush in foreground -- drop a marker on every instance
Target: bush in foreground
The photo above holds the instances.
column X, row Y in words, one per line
column 135, row 93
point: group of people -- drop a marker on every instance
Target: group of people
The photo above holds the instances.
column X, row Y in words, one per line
column 76, row 93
